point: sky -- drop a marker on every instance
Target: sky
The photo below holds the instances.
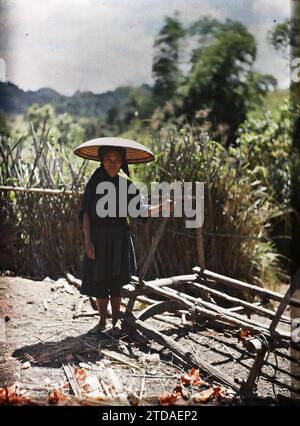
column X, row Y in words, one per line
column 98, row 45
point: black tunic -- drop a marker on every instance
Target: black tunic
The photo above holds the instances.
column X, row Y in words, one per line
column 115, row 260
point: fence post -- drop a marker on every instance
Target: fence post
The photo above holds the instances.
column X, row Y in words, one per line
column 200, row 248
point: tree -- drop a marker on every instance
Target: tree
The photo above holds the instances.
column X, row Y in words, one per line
column 4, row 128
column 204, row 29
column 280, row 37
column 40, row 116
column 285, row 39
column 222, row 80
column 166, row 72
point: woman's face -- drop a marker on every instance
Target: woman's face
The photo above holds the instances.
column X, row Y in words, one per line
column 112, row 162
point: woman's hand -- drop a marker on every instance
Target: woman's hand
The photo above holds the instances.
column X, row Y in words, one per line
column 89, row 249
column 169, row 204
column 156, row 211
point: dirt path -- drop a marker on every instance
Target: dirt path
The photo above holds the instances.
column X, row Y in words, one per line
column 37, row 327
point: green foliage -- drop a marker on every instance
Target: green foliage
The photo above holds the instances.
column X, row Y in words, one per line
column 266, row 152
column 271, row 103
column 69, row 132
column 204, row 29
column 238, row 208
column 138, row 108
column 40, row 115
column 247, row 183
column 4, row 128
column 281, row 37
column 13, row 100
column 166, row 72
column 222, row 80
column 62, row 128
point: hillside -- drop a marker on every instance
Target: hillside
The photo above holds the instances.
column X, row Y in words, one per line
column 14, row 100
column 272, row 103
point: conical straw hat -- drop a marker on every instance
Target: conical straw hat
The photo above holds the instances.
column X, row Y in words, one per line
column 135, row 152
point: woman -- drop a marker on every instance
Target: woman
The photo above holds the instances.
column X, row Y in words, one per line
column 109, row 260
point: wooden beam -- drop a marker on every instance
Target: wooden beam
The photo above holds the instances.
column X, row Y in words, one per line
column 237, row 301
column 44, row 191
column 156, row 239
column 158, row 308
column 189, row 358
column 263, row 292
column 200, row 248
column 77, row 283
column 162, row 282
column 213, row 311
column 248, row 386
column 285, row 301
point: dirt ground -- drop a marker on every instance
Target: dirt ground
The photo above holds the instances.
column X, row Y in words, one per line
column 38, row 327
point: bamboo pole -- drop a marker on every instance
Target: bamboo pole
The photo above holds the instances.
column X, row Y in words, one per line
column 77, row 283
column 213, row 311
column 200, row 248
column 263, row 292
column 237, row 301
column 181, row 352
column 219, row 310
column 125, row 292
column 238, row 317
column 150, row 256
column 161, row 282
column 285, row 301
column 44, row 191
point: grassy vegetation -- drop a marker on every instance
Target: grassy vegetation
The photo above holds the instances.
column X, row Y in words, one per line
column 272, row 102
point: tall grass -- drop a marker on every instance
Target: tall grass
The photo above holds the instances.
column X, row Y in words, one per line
column 41, row 234
column 238, row 209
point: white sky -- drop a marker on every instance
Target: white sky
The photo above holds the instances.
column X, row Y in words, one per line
column 98, row 45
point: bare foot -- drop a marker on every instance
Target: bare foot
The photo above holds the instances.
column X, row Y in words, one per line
column 101, row 325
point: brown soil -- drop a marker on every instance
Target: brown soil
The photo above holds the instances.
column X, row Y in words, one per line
column 37, row 325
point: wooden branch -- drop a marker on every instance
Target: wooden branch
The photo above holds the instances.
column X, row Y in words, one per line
column 285, row 301
column 77, row 283
column 44, row 191
column 158, row 308
column 71, row 378
column 246, row 322
column 200, row 248
column 146, row 300
column 72, row 280
column 179, row 351
column 238, row 302
column 244, row 286
column 85, row 314
column 118, row 359
column 247, row 387
column 162, row 282
column 149, row 259
column 213, row 311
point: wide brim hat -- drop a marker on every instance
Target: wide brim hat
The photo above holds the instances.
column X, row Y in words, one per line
column 135, row 152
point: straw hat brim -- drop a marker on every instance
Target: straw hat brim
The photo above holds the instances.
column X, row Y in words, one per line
column 135, row 152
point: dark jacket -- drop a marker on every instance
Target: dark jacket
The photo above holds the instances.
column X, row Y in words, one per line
column 114, row 250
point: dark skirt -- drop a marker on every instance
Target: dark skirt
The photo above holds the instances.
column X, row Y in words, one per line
column 115, row 260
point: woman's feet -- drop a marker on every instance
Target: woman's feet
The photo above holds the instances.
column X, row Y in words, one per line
column 116, row 330
column 101, row 325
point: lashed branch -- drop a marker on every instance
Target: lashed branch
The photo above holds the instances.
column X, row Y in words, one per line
column 238, row 302
column 213, row 311
column 179, row 351
column 263, row 292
